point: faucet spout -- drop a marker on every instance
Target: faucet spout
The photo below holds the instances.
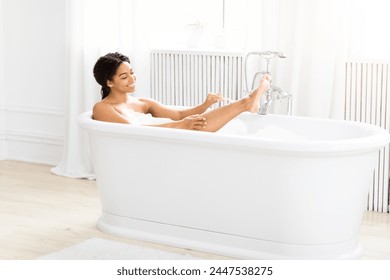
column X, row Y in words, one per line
column 264, row 108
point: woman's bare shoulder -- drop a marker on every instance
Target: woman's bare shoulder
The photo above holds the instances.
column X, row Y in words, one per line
column 100, row 106
column 103, row 111
column 98, row 109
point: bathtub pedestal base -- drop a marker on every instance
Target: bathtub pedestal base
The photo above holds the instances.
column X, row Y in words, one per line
column 222, row 243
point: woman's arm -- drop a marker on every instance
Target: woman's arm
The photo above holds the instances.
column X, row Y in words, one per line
column 107, row 113
column 194, row 122
column 161, row 111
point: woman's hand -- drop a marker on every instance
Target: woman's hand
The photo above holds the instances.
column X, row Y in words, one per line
column 213, row 98
column 193, row 122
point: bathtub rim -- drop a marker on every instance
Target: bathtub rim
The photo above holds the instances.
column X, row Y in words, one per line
column 379, row 137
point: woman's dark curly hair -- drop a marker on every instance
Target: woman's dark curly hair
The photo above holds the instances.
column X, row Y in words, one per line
column 105, row 69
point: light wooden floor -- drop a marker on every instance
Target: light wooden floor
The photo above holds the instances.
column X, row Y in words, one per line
column 41, row 213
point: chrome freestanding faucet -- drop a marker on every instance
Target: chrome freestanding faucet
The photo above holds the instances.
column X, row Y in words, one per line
column 274, row 92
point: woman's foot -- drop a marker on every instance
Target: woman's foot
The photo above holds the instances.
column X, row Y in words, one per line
column 254, row 96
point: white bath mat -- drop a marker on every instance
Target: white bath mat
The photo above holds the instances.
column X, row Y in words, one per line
column 103, row 249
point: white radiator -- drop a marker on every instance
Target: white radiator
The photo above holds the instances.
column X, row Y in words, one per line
column 184, row 78
column 367, row 100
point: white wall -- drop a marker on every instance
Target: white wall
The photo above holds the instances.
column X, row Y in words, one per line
column 3, row 144
column 33, row 79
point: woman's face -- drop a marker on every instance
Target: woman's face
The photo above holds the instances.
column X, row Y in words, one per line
column 124, row 79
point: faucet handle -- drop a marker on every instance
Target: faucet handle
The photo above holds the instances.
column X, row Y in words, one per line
column 268, row 94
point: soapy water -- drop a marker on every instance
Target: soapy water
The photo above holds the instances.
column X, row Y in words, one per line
column 234, row 127
column 268, row 131
column 239, row 127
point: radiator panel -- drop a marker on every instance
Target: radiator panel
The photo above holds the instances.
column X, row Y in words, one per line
column 184, row 78
column 367, row 100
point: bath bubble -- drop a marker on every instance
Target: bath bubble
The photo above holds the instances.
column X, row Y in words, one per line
column 234, row 127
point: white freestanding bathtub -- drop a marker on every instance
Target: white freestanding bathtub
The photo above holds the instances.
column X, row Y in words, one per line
column 287, row 188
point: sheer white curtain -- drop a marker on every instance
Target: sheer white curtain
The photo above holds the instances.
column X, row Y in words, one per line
column 318, row 36
column 369, row 29
column 313, row 35
column 95, row 27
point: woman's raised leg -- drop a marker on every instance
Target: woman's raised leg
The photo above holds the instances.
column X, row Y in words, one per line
column 218, row 117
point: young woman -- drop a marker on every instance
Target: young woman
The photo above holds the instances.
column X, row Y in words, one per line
column 117, row 78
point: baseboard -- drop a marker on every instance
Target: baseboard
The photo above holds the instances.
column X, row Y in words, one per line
column 32, row 147
column 3, row 142
column 33, row 134
column 3, row 147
